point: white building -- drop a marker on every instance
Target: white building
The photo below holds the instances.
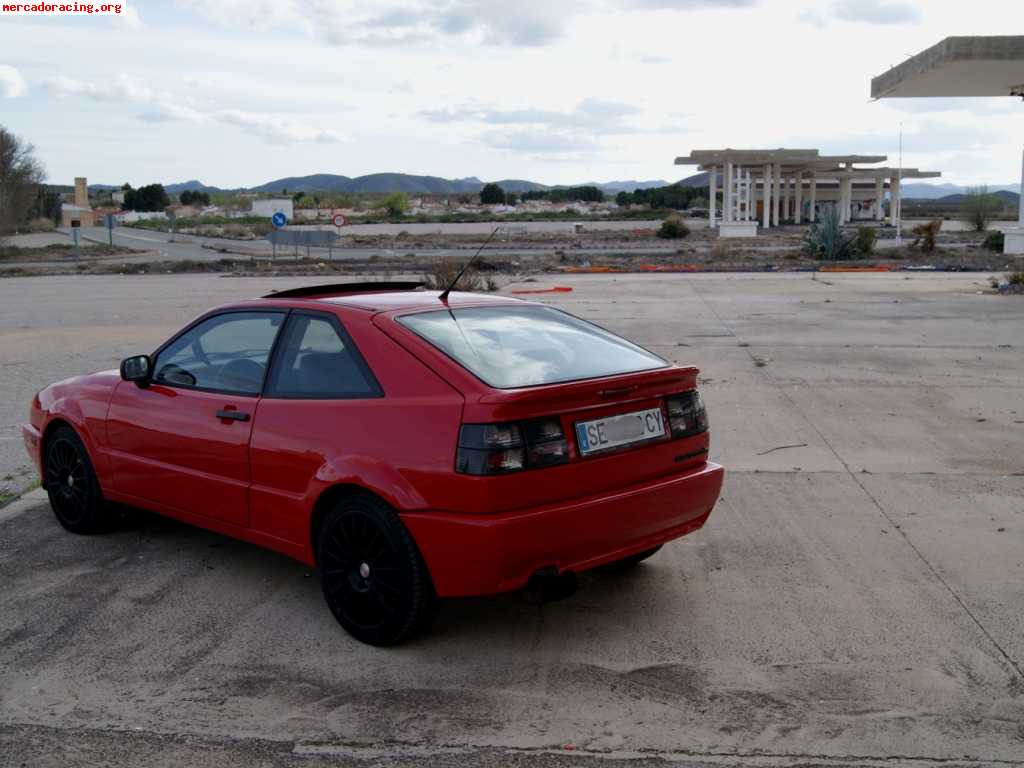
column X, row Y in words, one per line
column 267, row 208
column 776, row 186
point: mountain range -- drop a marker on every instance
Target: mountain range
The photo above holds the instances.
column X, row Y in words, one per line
column 379, row 183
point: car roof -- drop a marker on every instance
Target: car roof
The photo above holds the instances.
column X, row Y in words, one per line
column 376, row 297
column 393, row 300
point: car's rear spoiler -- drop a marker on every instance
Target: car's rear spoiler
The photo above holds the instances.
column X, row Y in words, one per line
column 340, row 289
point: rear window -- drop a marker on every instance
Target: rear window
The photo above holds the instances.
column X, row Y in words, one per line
column 508, row 347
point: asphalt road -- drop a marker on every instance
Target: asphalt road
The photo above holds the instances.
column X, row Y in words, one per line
column 855, row 599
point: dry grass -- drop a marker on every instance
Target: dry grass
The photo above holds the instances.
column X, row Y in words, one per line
column 444, row 271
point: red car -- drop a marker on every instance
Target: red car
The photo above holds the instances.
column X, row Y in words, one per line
column 408, row 445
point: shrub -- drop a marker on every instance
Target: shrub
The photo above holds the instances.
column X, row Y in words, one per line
column 825, row 239
column 978, row 207
column 864, row 243
column 673, row 228
column 1015, row 278
column 994, row 241
column 924, row 235
column 41, row 225
column 445, row 270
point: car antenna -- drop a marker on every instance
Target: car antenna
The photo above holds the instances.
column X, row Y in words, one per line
column 444, row 294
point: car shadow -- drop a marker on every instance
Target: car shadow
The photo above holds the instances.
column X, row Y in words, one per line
column 515, row 614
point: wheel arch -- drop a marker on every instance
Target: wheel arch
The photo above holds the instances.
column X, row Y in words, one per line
column 44, row 441
column 326, row 500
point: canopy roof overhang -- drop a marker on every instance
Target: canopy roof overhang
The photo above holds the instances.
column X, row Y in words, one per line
column 958, row 66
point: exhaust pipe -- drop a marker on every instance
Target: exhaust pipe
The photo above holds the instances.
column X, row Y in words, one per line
column 547, row 585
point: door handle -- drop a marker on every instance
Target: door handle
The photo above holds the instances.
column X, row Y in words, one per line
column 233, row 415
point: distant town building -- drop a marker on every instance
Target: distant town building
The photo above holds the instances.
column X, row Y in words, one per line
column 268, row 208
column 80, row 213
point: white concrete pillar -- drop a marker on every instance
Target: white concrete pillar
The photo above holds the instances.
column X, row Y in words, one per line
column 1020, row 217
column 814, row 197
column 751, row 209
column 776, row 193
column 785, row 198
column 798, row 203
column 879, row 197
column 727, row 194
column 845, row 199
column 712, row 194
column 766, row 197
column 894, row 191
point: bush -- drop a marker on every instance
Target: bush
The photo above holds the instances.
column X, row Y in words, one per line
column 1015, row 278
column 864, row 243
column 994, row 241
column 41, row 225
column 825, row 239
column 445, row 270
column 924, row 235
column 673, row 228
column 978, row 207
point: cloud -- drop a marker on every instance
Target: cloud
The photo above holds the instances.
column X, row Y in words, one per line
column 274, row 129
column 12, row 84
column 526, row 24
column 529, row 140
column 977, row 106
column 591, row 114
column 693, row 5
column 924, row 137
column 863, row 11
column 164, row 107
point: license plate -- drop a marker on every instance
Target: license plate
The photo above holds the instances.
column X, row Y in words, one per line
column 623, row 429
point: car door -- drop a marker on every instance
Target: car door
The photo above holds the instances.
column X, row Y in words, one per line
column 183, row 440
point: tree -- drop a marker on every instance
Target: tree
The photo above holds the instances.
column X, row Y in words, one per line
column 623, row 199
column 397, row 203
column 492, row 194
column 152, row 197
column 979, row 206
column 194, row 197
column 21, row 176
column 46, row 205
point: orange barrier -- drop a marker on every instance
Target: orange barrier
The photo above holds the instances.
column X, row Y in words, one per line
column 856, row 269
column 556, row 289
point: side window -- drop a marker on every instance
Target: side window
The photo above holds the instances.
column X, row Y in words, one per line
column 317, row 359
column 226, row 353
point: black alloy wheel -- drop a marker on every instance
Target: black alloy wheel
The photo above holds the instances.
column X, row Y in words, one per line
column 71, row 484
column 372, row 575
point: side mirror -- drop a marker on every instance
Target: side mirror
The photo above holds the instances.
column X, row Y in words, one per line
column 137, row 368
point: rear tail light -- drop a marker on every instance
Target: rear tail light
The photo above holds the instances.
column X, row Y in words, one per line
column 686, row 414
column 496, row 449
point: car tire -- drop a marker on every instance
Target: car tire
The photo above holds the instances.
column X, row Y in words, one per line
column 71, row 483
column 372, row 575
column 639, row 557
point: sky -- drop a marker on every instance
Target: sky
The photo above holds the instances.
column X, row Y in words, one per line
column 240, row 92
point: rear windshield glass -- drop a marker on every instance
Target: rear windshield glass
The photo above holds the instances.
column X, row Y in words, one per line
column 509, row 347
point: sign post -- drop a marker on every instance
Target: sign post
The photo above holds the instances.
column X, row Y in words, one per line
column 339, row 221
column 76, row 235
column 278, row 221
column 110, row 228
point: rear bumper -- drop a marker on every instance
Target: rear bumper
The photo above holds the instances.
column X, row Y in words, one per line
column 488, row 554
column 33, row 443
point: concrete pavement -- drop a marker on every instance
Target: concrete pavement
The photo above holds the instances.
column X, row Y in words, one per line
column 854, row 600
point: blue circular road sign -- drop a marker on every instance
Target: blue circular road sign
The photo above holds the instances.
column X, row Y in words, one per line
column 278, row 219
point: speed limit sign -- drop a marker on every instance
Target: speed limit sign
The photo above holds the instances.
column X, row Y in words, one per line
column 339, row 220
